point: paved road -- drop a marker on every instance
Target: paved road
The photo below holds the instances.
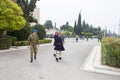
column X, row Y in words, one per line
column 15, row 65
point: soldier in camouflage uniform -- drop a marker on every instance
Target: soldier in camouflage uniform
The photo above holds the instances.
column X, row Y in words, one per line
column 33, row 41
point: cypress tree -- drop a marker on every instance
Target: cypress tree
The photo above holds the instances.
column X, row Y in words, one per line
column 75, row 26
column 83, row 26
column 79, row 28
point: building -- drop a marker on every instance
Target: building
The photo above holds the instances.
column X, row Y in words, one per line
column 36, row 14
column 50, row 33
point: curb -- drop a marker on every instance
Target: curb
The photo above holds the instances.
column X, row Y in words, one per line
column 15, row 48
column 97, row 63
column 93, row 64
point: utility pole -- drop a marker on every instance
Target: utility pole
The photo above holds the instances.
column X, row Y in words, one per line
column 119, row 29
column 55, row 26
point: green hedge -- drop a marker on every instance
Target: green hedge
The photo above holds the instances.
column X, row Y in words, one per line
column 20, row 43
column 13, row 39
column 24, row 43
column 110, row 50
column 5, row 43
column 45, row 41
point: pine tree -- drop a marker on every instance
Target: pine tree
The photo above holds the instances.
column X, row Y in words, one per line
column 79, row 28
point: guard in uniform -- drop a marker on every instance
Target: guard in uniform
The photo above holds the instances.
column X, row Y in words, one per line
column 58, row 46
column 33, row 41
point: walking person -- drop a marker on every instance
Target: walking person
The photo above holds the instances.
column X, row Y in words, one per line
column 76, row 38
column 55, row 36
column 58, row 46
column 99, row 38
column 87, row 38
column 63, row 38
column 33, row 41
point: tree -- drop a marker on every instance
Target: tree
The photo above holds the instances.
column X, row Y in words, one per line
column 70, row 29
column 95, row 31
column 48, row 24
column 99, row 29
column 41, row 30
column 10, row 16
column 67, row 23
column 75, row 27
column 85, row 26
column 90, row 35
column 79, row 28
column 66, row 33
column 28, row 8
column 22, row 34
column 66, row 27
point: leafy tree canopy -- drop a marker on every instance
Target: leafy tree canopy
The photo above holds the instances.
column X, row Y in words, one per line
column 64, row 27
column 28, row 7
column 89, row 28
column 48, row 24
column 41, row 30
column 10, row 16
column 67, row 27
column 71, row 29
column 22, row 34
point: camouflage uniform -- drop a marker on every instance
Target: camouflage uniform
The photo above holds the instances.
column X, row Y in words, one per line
column 33, row 40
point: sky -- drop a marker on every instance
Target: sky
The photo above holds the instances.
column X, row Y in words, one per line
column 94, row 12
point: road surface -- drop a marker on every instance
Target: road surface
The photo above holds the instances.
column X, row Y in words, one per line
column 15, row 65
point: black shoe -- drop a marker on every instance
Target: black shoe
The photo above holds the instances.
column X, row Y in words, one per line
column 54, row 55
column 57, row 59
column 60, row 58
column 31, row 60
column 35, row 57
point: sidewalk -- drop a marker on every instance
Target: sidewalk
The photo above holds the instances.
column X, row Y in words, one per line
column 93, row 64
column 14, row 48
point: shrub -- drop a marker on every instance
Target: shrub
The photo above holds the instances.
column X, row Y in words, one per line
column 20, row 43
column 45, row 41
column 13, row 39
column 41, row 31
column 111, row 52
column 5, row 43
column 24, row 43
column 22, row 34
